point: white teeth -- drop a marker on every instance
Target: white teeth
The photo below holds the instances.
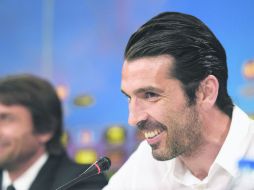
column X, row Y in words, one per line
column 151, row 134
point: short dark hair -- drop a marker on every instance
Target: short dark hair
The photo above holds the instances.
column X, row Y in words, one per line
column 196, row 51
column 40, row 98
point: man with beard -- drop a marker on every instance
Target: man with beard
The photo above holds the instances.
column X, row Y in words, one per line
column 175, row 78
column 31, row 124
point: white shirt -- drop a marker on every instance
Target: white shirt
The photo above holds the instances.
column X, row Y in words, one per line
column 143, row 172
column 26, row 179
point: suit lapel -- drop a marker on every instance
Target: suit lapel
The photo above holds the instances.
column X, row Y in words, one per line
column 46, row 176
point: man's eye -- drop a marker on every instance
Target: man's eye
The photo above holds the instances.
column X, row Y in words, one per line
column 150, row 95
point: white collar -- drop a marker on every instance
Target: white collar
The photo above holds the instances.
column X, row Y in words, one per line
column 27, row 178
column 236, row 142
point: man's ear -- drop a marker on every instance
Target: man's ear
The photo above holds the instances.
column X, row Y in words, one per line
column 44, row 137
column 208, row 92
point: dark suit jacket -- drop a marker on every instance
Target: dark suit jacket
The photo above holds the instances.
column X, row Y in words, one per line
column 58, row 170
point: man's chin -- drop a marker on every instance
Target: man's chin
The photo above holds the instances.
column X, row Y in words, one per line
column 157, row 152
column 161, row 155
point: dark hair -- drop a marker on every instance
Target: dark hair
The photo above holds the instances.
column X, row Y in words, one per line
column 40, row 98
column 196, row 51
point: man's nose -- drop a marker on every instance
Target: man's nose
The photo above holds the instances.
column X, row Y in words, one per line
column 137, row 112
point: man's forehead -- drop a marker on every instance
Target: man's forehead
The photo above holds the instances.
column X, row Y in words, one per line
column 144, row 73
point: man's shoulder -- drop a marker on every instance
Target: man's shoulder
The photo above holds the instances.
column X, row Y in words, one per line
column 64, row 161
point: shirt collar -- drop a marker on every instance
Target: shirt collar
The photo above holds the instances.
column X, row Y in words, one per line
column 236, row 142
column 27, row 178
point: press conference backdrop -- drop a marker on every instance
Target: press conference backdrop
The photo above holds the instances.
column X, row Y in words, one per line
column 78, row 45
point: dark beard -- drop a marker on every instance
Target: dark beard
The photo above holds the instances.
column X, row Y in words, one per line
column 183, row 139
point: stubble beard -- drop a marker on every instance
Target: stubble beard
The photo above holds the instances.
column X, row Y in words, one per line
column 12, row 160
column 183, row 138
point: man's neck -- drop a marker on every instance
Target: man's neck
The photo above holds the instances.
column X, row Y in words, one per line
column 215, row 132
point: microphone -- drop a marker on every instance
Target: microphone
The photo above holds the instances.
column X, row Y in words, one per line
column 98, row 167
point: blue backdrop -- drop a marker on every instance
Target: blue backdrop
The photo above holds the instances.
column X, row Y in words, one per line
column 78, row 45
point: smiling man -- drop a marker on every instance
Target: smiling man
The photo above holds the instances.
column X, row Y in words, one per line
column 170, row 125
column 175, row 77
column 31, row 124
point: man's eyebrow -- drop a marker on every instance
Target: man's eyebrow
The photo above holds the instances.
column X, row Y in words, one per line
column 4, row 114
column 148, row 89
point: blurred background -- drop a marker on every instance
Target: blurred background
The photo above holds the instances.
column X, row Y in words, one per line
column 78, row 46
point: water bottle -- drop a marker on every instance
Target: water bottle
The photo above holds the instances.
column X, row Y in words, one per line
column 245, row 177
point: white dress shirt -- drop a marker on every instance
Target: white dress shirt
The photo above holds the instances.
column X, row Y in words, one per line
column 143, row 172
column 26, row 179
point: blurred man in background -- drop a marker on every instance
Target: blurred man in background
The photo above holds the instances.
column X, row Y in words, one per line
column 31, row 124
column 175, row 77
